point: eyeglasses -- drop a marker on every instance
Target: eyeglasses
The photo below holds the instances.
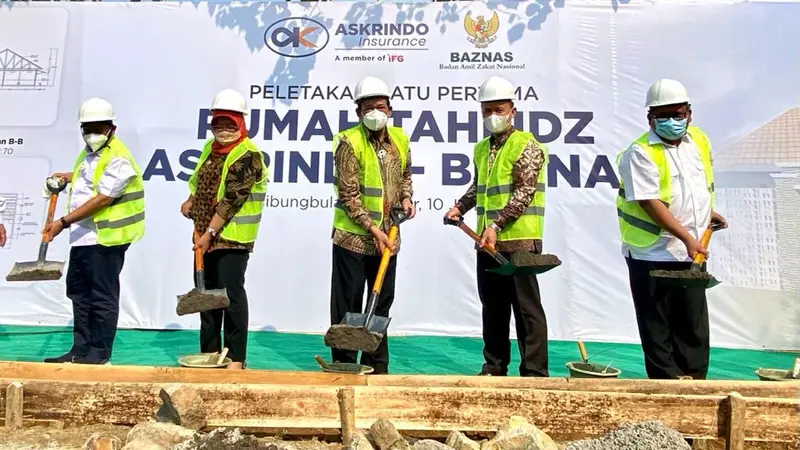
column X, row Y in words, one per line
column 231, row 128
column 680, row 115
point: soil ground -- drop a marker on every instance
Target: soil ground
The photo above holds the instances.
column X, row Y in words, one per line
column 42, row 438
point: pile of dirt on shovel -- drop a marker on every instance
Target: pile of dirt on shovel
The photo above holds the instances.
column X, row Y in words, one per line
column 529, row 259
column 196, row 300
column 350, row 338
column 681, row 274
column 35, row 275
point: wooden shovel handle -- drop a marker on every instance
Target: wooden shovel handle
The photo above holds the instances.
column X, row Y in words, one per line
column 198, row 255
column 488, row 247
column 582, row 349
column 387, row 253
column 51, row 213
column 700, row 258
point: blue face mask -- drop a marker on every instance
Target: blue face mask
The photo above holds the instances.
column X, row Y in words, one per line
column 671, row 129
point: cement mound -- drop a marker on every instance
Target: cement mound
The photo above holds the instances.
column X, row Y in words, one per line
column 34, row 275
column 528, row 259
column 651, row 435
column 352, row 338
column 196, row 301
column 681, row 274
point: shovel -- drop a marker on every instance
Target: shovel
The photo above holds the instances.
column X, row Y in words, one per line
column 695, row 277
column 364, row 332
column 201, row 299
column 41, row 269
column 547, row 262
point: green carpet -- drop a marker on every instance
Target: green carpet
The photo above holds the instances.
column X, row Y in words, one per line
column 409, row 355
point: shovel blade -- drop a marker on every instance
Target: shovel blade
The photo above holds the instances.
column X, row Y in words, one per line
column 525, row 270
column 196, row 301
column 688, row 279
column 36, row 271
column 356, row 320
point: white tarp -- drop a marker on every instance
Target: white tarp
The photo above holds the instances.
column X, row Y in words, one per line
column 582, row 68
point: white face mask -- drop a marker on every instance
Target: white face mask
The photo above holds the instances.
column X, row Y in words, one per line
column 95, row 142
column 497, row 124
column 375, row 120
column 227, row 137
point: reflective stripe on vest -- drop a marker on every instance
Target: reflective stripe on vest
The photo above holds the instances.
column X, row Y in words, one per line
column 496, row 185
column 122, row 221
column 243, row 227
column 370, row 177
column 636, row 227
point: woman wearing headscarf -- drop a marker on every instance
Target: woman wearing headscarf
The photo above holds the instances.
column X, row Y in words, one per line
column 227, row 193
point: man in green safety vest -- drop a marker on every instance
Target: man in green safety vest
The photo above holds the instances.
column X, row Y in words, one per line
column 508, row 193
column 105, row 215
column 665, row 203
column 372, row 174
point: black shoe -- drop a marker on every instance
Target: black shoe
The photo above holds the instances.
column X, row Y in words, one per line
column 87, row 360
column 63, row 359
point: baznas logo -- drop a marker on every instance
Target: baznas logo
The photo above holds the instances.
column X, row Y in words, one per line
column 481, row 32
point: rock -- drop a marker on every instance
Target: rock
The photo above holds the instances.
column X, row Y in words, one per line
column 164, row 435
column 430, row 444
column 143, row 444
column 182, row 406
column 650, row 435
column 101, row 441
column 227, row 438
column 386, row 436
column 360, row 442
column 518, row 434
column 458, row 441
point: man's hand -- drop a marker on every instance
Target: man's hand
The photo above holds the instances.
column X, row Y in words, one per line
column 693, row 247
column 409, row 209
column 204, row 243
column 717, row 218
column 381, row 239
column 489, row 237
column 185, row 208
column 453, row 214
column 52, row 230
column 2, row 235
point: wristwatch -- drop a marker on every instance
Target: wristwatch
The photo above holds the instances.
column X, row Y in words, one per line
column 495, row 227
column 64, row 223
column 211, row 231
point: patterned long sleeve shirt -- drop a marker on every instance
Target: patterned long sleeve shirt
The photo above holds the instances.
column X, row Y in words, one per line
column 242, row 176
column 396, row 188
column 524, row 173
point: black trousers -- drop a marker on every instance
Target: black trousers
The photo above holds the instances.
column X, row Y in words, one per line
column 351, row 273
column 93, row 287
column 225, row 268
column 500, row 295
column 672, row 320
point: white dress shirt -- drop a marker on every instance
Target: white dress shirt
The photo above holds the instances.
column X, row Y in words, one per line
column 113, row 181
column 690, row 203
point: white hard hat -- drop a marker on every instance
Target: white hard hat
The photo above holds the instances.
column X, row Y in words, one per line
column 496, row 88
column 371, row 87
column 230, row 100
column 96, row 110
column 666, row 92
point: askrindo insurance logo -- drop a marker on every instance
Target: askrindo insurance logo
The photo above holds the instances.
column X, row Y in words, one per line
column 481, row 32
column 296, row 37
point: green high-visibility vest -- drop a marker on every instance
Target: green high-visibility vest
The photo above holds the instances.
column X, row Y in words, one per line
column 369, row 178
column 496, row 185
column 121, row 222
column 243, row 227
column 636, row 227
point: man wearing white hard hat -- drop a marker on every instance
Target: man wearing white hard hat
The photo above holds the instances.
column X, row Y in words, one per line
column 665, row 203
column 509, row 193
column 105, row 215
column 372, row 174
column 226, row 200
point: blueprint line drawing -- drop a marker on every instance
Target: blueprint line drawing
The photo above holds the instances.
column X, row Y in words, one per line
column 27, row 73
column 18, row 216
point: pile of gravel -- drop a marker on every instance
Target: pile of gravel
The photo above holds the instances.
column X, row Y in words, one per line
column 651, row 435
column 224, row 439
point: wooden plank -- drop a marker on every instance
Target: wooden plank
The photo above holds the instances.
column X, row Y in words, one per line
column 789, row 389
column 737, row 417
column 26, row 423
column 150, row 374
column 14, row 405
column 147, row 374
column 565, row 414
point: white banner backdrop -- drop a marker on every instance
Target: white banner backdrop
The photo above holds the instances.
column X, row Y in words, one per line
column 582, row 69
